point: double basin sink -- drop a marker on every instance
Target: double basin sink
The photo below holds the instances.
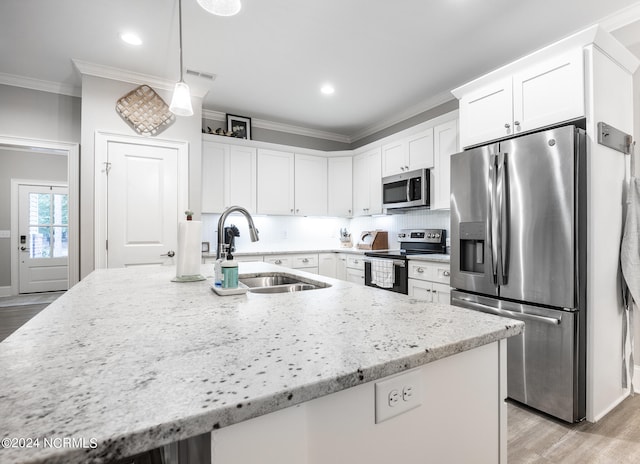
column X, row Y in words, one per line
column 278, row 282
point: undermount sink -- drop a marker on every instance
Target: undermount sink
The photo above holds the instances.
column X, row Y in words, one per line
column 276, row 282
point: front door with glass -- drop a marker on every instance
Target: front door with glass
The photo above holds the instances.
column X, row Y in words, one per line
column 43, row 238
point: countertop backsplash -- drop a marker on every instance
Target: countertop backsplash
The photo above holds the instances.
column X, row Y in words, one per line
column 292, row 232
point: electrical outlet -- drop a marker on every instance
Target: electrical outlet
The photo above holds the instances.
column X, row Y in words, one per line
column 397, row 395
column 394, row 398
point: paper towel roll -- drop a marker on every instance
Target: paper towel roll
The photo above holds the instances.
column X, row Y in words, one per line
column 189, row 252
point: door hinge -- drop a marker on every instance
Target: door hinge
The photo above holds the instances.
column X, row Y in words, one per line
column 107, row 167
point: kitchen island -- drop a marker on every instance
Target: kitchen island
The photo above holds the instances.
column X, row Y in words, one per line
column 127, row 361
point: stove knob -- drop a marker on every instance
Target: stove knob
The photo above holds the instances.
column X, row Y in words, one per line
column 430, row 236
column 436, row 236
column 402, row 235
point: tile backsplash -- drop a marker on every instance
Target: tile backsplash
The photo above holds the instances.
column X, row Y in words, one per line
column 297, row 233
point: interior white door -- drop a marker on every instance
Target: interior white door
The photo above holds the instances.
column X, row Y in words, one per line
column 142, row 204
column 43, row 215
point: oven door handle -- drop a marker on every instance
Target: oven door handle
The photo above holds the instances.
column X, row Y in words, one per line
column 396, row 262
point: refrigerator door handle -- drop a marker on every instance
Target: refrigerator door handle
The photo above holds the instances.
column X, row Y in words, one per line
column 502, row 191
column 506, row 313
column 494, row 219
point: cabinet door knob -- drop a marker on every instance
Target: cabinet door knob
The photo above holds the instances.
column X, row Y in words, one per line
column 292, row 210
column 407, row 168
column 516, row 123
column 446, row 273
column 297, row 210
column 305, row 260
column 277, row 261
column 402, row 168
column 507, row 126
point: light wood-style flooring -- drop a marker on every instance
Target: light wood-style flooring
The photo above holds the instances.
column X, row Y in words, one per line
column 537, row 438
column 17, row 310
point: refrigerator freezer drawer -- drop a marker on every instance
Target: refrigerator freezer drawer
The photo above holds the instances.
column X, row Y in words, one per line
column 543, row 365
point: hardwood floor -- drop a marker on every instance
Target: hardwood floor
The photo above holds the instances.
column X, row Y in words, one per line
column 536, row 438
column 17, row 310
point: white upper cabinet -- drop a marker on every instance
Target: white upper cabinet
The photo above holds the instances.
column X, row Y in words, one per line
column 213, row 156
column 240, row 174
column 550, row 92
column 275, row 182
column 310, row 185
column 228, row 177
column 445, row 145
column 340, row 186
column 540, row 94
column 408, row 153
column 367, row 185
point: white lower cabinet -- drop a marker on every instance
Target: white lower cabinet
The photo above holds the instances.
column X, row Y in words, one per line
column 341, row 266
column 327, row 264
column 355, row 269
column 304, row 262
column 429, row 281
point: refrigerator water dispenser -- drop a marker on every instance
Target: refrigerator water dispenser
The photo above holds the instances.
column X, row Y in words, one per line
column 472, row 243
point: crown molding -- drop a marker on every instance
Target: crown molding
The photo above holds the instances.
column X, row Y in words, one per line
column 410, row 112
column 621, row 18
column 109, row 72
column 38, row 84
column 281, row 127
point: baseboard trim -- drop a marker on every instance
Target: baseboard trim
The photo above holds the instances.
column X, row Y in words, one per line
column 6, row 291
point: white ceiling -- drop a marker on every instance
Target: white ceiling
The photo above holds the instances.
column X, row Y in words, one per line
column 388, row 60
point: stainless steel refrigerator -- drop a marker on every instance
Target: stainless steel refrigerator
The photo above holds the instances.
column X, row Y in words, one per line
column 518, row 249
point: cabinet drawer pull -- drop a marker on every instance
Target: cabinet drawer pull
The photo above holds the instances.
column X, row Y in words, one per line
column 305, row 260
column 446, row 273
column 420, row 270
column 277, row 261
column 507, row 126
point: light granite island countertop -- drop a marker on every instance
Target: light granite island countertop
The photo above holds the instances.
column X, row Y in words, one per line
column 127, row 361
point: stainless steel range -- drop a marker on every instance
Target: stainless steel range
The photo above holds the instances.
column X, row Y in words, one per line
column 388, row 269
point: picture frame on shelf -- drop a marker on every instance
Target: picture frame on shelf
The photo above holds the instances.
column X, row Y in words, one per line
column 239, row 125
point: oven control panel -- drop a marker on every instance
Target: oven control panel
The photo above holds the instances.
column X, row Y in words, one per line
column 422, row 235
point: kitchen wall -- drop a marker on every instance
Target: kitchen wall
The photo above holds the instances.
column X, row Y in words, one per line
column 318, row 233
column 439, row 110
column 21, row 164
column 283, row 138
column 39, row 115
column 99, row 97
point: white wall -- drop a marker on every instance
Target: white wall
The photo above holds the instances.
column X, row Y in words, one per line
column 40, row 115
column 20, row 164
column 99, row 97
column 317, row 233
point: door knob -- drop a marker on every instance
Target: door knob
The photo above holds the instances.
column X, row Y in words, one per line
column 169, row 253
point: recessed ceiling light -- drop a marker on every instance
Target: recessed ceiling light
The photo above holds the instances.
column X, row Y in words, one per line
column 327, row 89
column 131, row 38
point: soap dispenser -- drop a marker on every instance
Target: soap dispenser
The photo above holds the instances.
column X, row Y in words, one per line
column 229, row 272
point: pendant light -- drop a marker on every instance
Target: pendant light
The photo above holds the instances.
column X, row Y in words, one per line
column 221, row 7
column 181, row 101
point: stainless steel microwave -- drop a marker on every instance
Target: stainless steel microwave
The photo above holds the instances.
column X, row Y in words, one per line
column 406, row 190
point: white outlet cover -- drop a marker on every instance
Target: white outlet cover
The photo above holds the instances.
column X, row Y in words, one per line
column 383, row 389
column 5, row 234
